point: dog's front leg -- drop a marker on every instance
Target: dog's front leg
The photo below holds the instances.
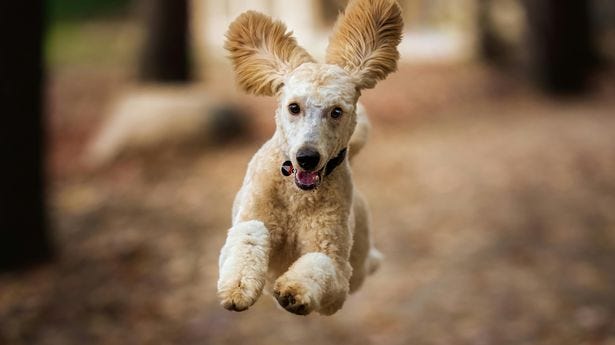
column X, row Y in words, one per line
column 319, row 279
column 243, row 265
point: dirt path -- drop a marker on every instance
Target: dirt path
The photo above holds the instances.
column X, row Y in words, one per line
column 497, row 220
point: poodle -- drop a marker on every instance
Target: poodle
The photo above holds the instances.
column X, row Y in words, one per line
column 298, row 222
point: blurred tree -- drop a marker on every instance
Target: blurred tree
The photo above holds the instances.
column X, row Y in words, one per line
column 23, row 233
column 331, row 9
column 561, row 45
column 165, row 54
column 491, row 48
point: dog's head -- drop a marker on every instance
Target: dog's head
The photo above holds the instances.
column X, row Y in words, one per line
column 317, row 101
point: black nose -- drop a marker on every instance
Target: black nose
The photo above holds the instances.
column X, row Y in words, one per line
column 308, row 158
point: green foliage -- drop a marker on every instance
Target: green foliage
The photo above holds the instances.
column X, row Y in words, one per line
column 89, row 32
column 74, row 10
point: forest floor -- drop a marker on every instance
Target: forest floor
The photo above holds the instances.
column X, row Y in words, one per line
column 494, row 206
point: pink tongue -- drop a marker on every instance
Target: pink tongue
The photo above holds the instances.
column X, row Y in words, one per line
column 307, row 178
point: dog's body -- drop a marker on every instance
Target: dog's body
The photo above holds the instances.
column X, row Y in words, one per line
column 309, row 237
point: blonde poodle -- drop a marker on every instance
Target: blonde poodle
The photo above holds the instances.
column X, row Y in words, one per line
column 298, row 222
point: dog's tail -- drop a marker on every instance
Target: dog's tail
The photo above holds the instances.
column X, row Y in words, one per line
column 361, row 132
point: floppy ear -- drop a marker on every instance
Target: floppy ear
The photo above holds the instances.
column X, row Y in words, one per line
column 263, row 53
column 365, row 39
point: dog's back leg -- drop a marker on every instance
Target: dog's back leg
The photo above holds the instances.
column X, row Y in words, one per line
column 361, row 132
column 364, row 257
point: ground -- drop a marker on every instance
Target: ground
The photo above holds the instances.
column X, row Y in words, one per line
column 493, row 204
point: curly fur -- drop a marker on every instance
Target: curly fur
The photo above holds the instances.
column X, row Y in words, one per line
column 311, row 248
column 365, row 40
column 263, row 52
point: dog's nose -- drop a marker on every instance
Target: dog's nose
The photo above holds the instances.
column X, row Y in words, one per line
column 308, row 158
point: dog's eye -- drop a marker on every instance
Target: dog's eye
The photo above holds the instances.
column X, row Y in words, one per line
column 294, row 108
column 336, row 112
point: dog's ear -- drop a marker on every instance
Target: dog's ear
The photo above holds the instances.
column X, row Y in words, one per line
column 263, row 53
column 365, row 39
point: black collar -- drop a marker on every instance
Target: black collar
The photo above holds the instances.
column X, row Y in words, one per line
column 287, row 167
column 335, row 161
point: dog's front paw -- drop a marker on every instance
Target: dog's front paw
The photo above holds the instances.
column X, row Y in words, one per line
column 294, row 296
column 239, row 294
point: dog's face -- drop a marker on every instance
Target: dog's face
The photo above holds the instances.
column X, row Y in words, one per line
column 316, row 116
column 316, row 111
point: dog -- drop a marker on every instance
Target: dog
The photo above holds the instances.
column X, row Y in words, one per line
column 297, row 221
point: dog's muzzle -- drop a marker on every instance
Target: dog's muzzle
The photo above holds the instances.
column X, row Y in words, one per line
column 308, row 180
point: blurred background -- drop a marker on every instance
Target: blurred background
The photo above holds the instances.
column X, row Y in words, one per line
column 490, row 173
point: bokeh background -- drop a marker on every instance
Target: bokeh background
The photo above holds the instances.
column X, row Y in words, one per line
column 490, row 173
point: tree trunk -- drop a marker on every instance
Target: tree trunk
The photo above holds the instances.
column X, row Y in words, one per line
column 491, row 49
column 165, row 54
column 331, row 9
column 561, row 43
column 23, row 233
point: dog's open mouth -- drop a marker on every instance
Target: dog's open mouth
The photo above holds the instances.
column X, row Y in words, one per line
column 307, row 180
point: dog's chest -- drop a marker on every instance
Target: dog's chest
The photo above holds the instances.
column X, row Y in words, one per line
column 299, row 215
